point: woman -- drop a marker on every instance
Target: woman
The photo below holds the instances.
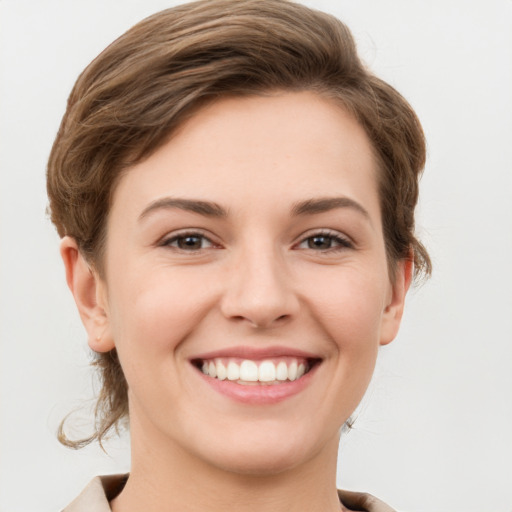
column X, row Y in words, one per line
column 236, row 195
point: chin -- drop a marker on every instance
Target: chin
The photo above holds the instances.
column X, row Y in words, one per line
column 259, row 464
column 263, row 455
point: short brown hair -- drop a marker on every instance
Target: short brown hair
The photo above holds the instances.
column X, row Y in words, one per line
column 131, row 98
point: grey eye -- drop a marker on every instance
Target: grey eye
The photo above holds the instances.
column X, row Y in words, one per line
column 189, row 242
column 325, row 242
column 320, row 242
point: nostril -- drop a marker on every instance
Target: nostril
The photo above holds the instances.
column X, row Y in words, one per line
column 265, row 323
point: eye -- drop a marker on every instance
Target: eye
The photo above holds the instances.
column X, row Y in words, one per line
column 188, row 242
column 327, row 241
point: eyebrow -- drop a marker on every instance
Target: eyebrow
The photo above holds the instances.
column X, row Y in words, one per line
column 206, row 208
column 325, row 204
column 212, row 209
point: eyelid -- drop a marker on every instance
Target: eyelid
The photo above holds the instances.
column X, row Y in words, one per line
column 166, row 240
column 345, row 241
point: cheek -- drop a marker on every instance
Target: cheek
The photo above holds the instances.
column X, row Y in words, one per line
column 149, row 320
column 350, row 307
column 156, row 311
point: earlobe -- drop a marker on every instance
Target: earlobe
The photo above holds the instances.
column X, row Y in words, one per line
column 392, row 315
column 88, row 290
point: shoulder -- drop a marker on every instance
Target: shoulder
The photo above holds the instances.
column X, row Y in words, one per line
column 96, row 496
column 363, row 502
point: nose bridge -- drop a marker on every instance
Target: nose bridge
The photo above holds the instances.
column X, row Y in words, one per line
column 259, row 289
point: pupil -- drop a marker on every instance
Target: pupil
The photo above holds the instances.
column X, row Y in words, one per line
column 319, row 242
column 190, row 242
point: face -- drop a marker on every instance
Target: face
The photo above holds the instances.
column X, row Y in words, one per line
column 246, row 285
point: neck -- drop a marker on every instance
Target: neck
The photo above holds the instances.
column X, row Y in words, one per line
column 170, row 479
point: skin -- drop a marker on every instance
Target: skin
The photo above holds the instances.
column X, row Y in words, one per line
column 256, row 280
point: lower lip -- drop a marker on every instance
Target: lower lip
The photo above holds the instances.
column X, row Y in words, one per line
column 259, row 394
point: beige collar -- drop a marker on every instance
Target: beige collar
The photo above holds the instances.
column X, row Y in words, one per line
column 96, row 496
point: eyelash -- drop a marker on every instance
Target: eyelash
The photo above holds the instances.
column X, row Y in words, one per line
column 168, row 242
column 342, row 242
column 333, row 236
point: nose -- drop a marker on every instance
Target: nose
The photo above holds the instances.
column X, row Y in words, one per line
column 259, row 290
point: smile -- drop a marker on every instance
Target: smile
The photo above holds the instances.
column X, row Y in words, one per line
column 257, row 376
column 253, row 372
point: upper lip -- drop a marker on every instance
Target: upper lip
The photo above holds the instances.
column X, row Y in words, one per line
column 256, row 353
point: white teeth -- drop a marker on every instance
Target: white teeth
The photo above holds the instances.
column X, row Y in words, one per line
column 249, row 371
column 282, row 371
column 292, row 371
column 221, row 371
column 267, row 371
column 233, row 371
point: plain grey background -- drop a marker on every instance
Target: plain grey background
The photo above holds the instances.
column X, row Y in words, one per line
column 434, row 432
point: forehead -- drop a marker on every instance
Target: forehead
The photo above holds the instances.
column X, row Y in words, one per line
column 274, row 147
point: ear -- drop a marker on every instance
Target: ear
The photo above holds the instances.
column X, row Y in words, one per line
column 89, row 291
column 392, row 315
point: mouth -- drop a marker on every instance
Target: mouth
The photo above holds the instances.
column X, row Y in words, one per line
column 256, row 372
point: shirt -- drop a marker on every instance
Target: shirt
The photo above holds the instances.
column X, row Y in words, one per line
column 96, row 496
